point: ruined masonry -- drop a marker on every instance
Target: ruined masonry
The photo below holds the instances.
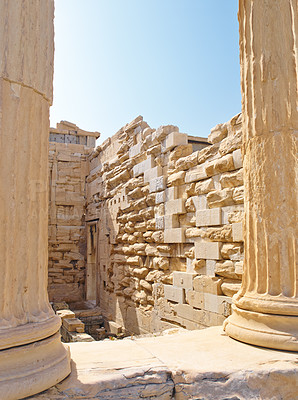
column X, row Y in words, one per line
column 148, row 225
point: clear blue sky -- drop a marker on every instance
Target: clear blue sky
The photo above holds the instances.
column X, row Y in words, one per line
column 172, row 61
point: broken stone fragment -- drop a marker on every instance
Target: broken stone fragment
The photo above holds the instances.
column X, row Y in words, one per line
column 220, row 198
column 226, row 269
column 232, row 179
column 229, row 288
column 176, row 179
column 218, row 133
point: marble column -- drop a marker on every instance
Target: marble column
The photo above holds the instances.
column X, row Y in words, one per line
column 265, row 310
column 32, row 357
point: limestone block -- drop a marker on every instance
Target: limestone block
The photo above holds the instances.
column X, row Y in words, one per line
column 217, row 304
column 143, row 166
column 135, row 150
column 172, row 193
column 113, row 328
column 194, row 232
column 175, row 207
column 187, row 162
column 185, row 311
column 174, row 294
column 161, row 263
column 160, row 222
column 196, row 174
column 207, row 250
column 176, row 179
column 218, row 133
column 157, row 184
column 65, row 314
column 207, row 284
column 232, row 251
column 209, row 268
column 226, row 269
column 223, row 164
column 238, row 195
column 183, row 279
column 200, row 202
column 172, row 140
column 237, row 232
column 208, row 217
column 230, row 288
column 195, row 299
column 160, row 197
column 220, row 198
column 237, row 158
column 204, row 187
column 152, row 173
column 239, row 267
column 163, row 131
column 180, row 151
column 171, row 221
column 232, row 179
column 231, row 143
column 73, row 325
column 175, row 235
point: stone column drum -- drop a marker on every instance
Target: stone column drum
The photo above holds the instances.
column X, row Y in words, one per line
column 32, row 357
column 265, row 310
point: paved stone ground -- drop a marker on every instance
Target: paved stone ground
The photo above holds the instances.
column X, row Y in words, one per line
column 198, row 365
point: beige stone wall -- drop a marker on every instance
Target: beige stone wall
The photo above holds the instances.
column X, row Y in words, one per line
column 68, row 169
column 168, row 224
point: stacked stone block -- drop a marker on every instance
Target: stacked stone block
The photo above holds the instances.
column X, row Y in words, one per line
column 68, row 169
column 170, row 225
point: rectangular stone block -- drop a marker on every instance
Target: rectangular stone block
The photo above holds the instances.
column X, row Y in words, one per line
column 159, row 223
column 210, row 217
column 184, row 311
column 237, row 158
column 152, row 173
column 175, row 207
column 217, row 304
column 65, row 314
column 171, row 221
column 195, row 299
column 207, row 250
column 157, row 184
column 174, row 294
column 200, row 202
column 135, row 150
column 171, row 193
column 183, row 279
column 172, row 140
column 207, row 284
column 143, row 166
column 160, row 197
column 196, row 174
column 73, row 325
column 189, row 265
column 237, row 231
column 176, row 235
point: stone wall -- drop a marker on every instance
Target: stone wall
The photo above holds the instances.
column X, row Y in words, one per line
column 68, row 168
column 165, row 226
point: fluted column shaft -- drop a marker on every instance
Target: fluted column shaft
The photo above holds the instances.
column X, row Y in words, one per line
column 266, row 307
column 26, row 317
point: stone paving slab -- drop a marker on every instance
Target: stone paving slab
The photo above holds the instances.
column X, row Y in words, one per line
column 196, row 365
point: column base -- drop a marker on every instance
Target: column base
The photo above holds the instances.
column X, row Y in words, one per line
column 30, row 369
column 267, row 330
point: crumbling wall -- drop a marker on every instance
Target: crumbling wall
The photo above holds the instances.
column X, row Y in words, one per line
column 68, row 150
column 169, row 226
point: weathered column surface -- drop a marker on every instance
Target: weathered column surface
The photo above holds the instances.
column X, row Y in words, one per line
column 32, row 357
column 265, row 310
